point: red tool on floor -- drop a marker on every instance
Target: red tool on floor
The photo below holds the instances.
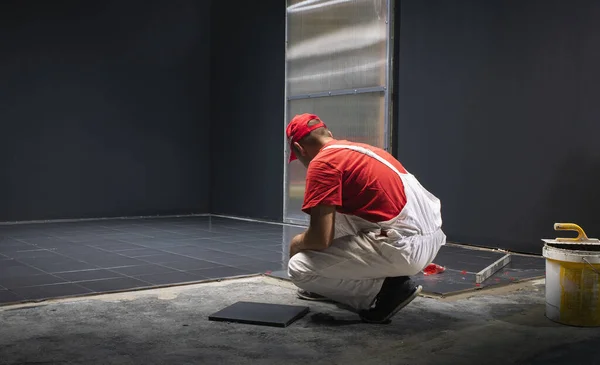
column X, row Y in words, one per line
column 432, row 269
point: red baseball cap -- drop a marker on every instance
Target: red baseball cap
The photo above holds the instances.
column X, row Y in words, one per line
column 298, row 129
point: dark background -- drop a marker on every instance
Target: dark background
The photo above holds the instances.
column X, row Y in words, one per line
column 156, row 107
column 499, row 115
column 104, row 108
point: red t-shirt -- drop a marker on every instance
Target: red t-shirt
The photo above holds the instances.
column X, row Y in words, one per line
column 356, row 184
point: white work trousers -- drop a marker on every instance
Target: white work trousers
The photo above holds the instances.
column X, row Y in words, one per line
column 352, row 270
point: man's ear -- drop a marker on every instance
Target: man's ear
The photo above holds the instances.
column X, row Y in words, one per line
column 300, row 149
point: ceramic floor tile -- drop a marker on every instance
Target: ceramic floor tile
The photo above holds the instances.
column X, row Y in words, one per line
column 86, row 275
column 222, row 272
column 34, row 254
column 264, row 314
column 50, row 291
column 63, row 266
column 23, row 281
column 107, row 285
column 13, row 268
column 162, row 258
column 114, row 246
column 141, row 252
column 143, row 270
column 109, row 259
column 171, row 278
column 269, row 256
column 237, row 261
column 7, row 296
column 192, row 264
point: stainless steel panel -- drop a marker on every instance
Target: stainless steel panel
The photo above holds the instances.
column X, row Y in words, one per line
column 359, row 118
column 336, row 44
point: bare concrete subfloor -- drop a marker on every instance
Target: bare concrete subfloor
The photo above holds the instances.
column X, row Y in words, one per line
column 170, row 326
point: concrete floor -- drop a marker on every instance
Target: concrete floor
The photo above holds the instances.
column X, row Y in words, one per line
column 170, row 326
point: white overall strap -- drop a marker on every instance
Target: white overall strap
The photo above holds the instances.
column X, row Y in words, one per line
column 368, row 153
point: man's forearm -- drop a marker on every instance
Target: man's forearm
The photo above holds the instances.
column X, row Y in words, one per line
column 307, row 241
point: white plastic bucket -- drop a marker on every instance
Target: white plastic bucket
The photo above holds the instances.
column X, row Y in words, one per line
column 572, row 286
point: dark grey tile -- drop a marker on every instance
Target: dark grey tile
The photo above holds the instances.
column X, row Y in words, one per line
column 141, row 252
column 106, row 285
column 77, row 252
column 264, row 314
column 160, row 243
column 85, row 275
column 191, row 264
column 23, row 281
column 162, row 258
column 66, row 264
column 108, row 260
column 244, row 250
column 236, row 261
column 187, row 250
column 143, row 270
column 51, row 291
column 46, row 242
column 115, row 246
column 7, row 296
column 221, row 272
column 13, row 268
column 10, row 247
column 171, row 278
column 33, row 254
column 268, row 256
column 212, row 255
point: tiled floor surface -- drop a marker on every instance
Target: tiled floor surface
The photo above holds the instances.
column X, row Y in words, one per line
column 47, row 260
column 50, row 260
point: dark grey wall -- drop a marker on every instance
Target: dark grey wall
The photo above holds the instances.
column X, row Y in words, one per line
column 247, row 108
column 499, row 115
column 104, row 108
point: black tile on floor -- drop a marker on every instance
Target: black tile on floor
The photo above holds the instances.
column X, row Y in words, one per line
column 244, row 250
column 190, row 264
column 264, row 314
column 114, row 246
column 187, row 250
column 162, row 258
column 13, row 268
column 268, row 256
column 140, row 252
column 86, row 275
column 221, row 272
column 106, row 285
column 8, row 247
column 143, row 270
column 35, row 280
column 237, row 261
column 7, row 296
column 34, row 254
column 51, row 291
column 108, row 260
column 63, row 265
column 171, row 278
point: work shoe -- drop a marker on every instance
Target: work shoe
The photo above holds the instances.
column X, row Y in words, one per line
column 306, row 295
column 395, row 294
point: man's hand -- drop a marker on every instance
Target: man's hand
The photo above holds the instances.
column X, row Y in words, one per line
column 320, row 231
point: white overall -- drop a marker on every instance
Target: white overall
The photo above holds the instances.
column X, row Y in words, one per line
column 352, row 270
